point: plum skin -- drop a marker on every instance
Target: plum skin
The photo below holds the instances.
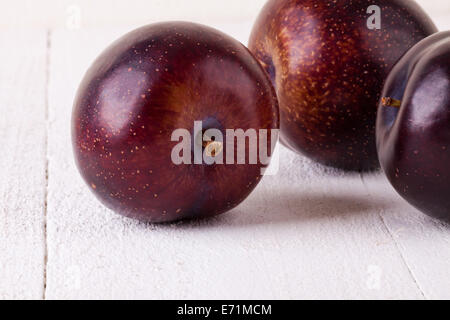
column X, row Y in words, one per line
column 148, row 83
column 328, row 69
column 413, row 138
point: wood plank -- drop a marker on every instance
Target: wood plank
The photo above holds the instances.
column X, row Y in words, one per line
column 424, row 243
column 22, row 163
column 307, row 232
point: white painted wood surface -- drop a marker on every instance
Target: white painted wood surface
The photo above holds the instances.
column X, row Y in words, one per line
column 423, row 243
column 308, row 232
column 22, row 164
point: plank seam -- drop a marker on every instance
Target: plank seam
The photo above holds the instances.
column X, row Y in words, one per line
column 47, row 88
column 397, row 245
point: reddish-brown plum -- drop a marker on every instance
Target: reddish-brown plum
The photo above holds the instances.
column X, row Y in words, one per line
column 413, row 126
column 328, row 60
column 149, row 83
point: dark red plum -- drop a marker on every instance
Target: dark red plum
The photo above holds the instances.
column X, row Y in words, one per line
column 328, row 60
column 144, row 87
column 413, row 126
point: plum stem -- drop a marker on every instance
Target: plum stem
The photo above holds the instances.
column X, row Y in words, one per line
column 213, row 148
column 390, row 102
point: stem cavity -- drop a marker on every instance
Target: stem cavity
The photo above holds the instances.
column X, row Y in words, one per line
column 390, row 102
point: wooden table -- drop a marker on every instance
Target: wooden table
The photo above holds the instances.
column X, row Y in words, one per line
column 308, row 232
